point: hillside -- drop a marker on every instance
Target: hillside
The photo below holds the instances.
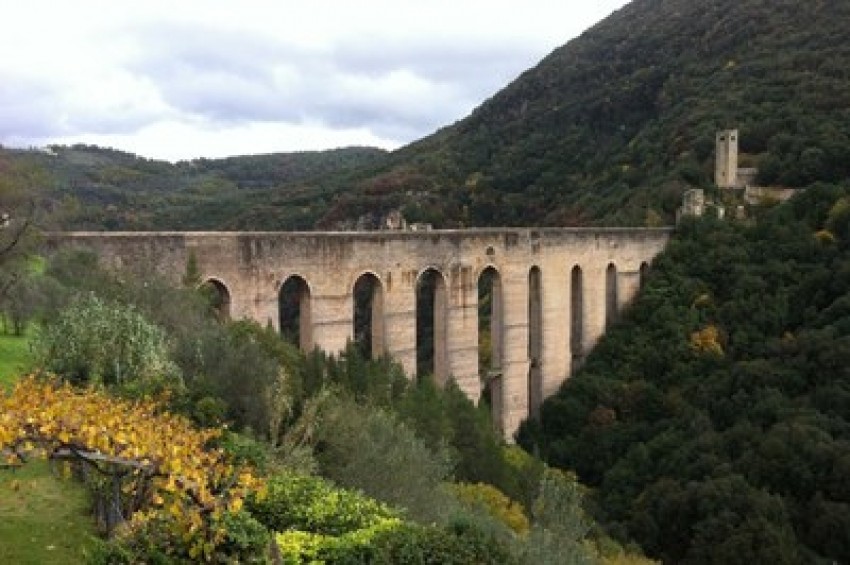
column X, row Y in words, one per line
column 611, row 128
column 94, row 187
column 714, row 421
column 622, row 119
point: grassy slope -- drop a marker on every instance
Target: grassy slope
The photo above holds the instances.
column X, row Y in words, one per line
column 14, row 358
column 43, row 519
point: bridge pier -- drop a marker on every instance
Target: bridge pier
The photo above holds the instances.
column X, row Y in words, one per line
column 515, row 362
column 332, row 318
column 628, row 286
column 595, row 302
column 462, row 342
column 400, row 320
column 556, row 325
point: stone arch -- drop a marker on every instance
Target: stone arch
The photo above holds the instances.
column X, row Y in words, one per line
column 612, row 298
column 294, row 311
column 218, row 296
column 576, row 316
column 535, row 341
column 490, row 339
column 431, row 325
column 368, row 315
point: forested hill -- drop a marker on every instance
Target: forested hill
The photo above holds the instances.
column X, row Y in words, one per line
column 101, row 188
column 714, row 421
column 614, row 125
column 610, row 128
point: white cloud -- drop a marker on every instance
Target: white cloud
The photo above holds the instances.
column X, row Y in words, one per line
column 214, row 77
column 189, row 139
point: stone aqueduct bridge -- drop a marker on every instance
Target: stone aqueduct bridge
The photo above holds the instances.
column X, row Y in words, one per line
column 553, row 291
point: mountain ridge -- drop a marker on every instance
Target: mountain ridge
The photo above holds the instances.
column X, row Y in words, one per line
column 618, row 113
column 609, row 129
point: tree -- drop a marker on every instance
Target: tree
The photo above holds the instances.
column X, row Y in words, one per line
column 96, row 341
column 20, row 183
column 368, row 448
column 558, row 523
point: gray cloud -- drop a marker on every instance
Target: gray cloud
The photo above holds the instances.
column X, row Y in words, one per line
column 282, row 72
column 27, row 108
column 398, row 90
column 217, row 74
column 475, row 65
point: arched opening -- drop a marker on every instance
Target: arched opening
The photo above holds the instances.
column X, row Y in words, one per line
column 431, row 317
column 369, row 316
column 612, row 310
column 576, row 317
column 535, row 342
column 644, row 272
column 294, row 311
column 490, row 344
column 218, row 298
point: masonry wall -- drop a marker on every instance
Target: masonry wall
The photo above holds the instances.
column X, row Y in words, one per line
column 254, row 265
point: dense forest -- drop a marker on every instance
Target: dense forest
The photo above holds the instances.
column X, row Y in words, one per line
column 611, row 128
column 713, row 421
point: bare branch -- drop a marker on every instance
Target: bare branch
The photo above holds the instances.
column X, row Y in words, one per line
column 19, row 233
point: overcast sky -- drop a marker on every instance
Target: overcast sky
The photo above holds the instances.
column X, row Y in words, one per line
column 180, row 79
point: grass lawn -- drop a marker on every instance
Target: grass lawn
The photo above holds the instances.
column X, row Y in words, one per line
column 43, row 519
column 15, row 358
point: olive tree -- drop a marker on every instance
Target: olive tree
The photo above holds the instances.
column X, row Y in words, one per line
column 98, row 341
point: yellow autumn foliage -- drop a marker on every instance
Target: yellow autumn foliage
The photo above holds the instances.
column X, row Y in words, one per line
column 707, row 340
column 184, row 476
column 825, row 236
column 496, row 502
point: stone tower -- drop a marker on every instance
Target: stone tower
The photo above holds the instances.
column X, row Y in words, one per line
column 726, row 159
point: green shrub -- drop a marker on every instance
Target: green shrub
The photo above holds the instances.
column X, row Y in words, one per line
column 209, row 411
column 559, row 525
column 392, row 542
column 317, row 522
column 522, row 478
column 113, row 552
column 353, row 547
column 158, row 541
column 314, row 505
column 495, row 503
column 246, row 539
column 246, row 450
column 368, row 448
column 461, row 545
